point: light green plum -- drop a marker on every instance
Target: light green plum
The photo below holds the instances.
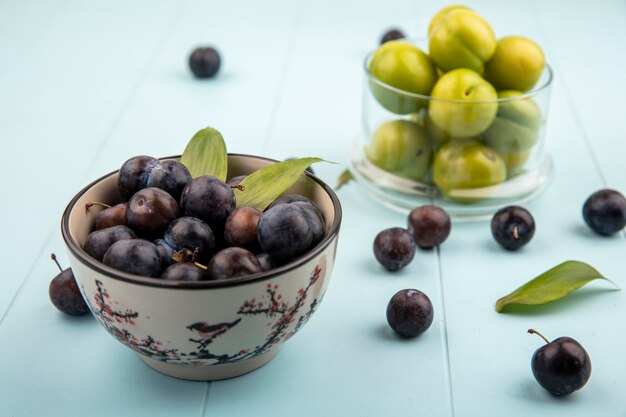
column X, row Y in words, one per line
column 517, row 123
column 401, row 147
column 442, row 13
column 523, row 110
column 469, row 164
column 419, row 117
column 514, row 162
column 437, row 136
column 405, row 67
column 461, row 39
column 417, row 169
column 507, row 136
column 463, row 105
column 516, row 64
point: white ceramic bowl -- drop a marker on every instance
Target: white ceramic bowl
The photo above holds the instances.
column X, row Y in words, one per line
column 203, row 330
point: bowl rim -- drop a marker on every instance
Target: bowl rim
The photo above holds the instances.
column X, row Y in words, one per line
column 535, row 91
column 103, row 269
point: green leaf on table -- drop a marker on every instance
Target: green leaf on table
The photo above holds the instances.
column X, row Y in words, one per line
column 206, row 154
column 262, row 187
column 344, row 178
column 552, row 285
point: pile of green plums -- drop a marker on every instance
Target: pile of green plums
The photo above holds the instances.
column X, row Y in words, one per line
column 463, row 118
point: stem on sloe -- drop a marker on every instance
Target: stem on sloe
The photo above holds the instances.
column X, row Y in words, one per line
column 533, row 331
column 199, row 265
column 96, row 203
column 54, row 258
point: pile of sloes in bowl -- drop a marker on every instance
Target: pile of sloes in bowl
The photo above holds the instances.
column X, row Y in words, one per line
column 174, row 227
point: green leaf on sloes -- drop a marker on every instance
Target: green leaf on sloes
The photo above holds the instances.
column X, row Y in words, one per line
column 262, row 187
column 552, row 285
column 206, row 154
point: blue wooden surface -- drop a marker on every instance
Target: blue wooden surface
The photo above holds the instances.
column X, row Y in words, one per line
column 85, row 85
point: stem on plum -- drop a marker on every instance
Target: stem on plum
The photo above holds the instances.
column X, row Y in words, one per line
column 54, row 258
column 96, row 203
column 185, row 255
column 533, row 331
column 239, row 187
column 199, row 265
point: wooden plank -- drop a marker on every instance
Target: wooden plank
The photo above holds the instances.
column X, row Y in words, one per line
column 346, row 361
column 490, row 353
column 158, row 112
column 593, row 75
column 64, row 91
column 60, row 365
column 115, row 84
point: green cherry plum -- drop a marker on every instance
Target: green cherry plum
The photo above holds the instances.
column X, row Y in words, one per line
column 442, row 13
column 462, row 165
column 515, row 162
column 464, row 104
column 516, row 126
column 461, row 39
column 401, row 147
column 405, row 67
column 516, row 64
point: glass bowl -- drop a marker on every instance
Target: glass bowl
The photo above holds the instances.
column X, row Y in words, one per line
column 469, row 157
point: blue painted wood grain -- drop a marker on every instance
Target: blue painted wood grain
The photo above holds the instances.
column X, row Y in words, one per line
column 85, row 85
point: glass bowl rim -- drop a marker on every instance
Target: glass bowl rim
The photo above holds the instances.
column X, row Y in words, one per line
column 526, row 95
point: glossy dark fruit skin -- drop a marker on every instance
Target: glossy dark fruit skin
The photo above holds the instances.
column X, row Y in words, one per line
column 99, row 241
column 314, row 215
column 184, row 272
column 112, row 216
column 429, row 225
column 150, row 211
column 240, row 227
column 266, row 261
column 204, row 62
column 133, row 175
column 315, row 219
column 135, row 256
column 394, row 248
column 143, row 171
column 170, row 176
column 193, row 234
column 410, row 313
column 392, row 35
column 65, row 295
column 232, row 263
column 236, row 180
column 218, row 233
column 284, row 231
column 292, row 198
column 605, row 212
column 165, row 252
column 208, row 199
column 562, row 366
column 512, row 227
